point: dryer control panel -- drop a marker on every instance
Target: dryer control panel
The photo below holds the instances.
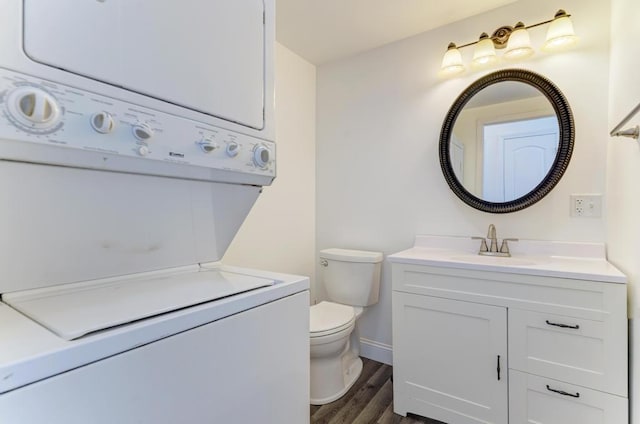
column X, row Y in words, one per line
column 45, row 122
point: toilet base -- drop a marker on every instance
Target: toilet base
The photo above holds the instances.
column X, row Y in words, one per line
column 351, row 370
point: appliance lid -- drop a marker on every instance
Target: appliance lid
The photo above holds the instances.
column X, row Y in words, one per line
column 347, row 255
column 74, row 310
column 326, row 316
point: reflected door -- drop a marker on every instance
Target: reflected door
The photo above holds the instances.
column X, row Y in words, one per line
column 457, row 158
column 517, row 157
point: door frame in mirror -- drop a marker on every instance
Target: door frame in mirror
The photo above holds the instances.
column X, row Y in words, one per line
column 565, row 142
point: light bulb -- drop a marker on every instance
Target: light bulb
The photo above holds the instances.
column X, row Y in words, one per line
column 484, row 54
column 560, row 34
column 452, row 62
column 519, row 45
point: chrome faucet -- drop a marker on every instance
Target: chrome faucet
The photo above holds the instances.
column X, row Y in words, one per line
column 491, row 235
column 492, row 248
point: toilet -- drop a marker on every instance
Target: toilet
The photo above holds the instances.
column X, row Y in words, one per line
column 352, row 282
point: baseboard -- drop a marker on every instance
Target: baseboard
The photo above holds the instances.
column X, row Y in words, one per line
column 377, row 351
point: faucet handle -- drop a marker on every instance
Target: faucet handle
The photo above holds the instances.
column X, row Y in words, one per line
column 483, row 244
column 504, row 248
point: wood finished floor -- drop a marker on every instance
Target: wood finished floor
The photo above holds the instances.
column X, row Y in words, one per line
column 369, row 401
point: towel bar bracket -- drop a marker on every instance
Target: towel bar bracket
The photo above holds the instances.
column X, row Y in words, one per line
column 633, row 132
column 630, row 132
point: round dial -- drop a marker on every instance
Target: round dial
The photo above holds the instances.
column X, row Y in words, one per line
column 232, row 149
column 143, row 150
column 33, row 108
column 207, row 146
column 142, row 132
column 102, row 122
column 261, row 156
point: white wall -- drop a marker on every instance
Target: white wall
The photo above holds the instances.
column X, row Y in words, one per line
column 279, row 233
column 623, row 176
column 379, row 116
column 623, row 168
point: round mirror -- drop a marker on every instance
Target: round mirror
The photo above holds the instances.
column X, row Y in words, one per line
column 506, row 141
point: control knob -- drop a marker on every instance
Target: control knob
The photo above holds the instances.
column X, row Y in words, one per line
column 261, row 156
column 102, row 122
column 142, row 132
column 207, row 146
column 33, row 107
column 232, row 149
column 143, row 150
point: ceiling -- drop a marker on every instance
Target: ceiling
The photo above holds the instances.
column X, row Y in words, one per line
column 321, row 31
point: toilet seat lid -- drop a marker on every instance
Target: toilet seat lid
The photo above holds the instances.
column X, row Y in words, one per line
column 329, row 317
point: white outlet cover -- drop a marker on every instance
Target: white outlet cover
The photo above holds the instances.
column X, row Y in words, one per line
column 586, row 205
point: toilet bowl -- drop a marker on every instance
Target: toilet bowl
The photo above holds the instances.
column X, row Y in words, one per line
column 352, row 281
column 335, row 364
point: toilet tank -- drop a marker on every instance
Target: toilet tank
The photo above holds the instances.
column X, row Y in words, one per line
column 351, row 277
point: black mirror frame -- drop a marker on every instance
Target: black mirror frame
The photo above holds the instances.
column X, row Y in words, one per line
column 563, row 156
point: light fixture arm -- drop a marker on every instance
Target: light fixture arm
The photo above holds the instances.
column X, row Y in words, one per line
column 516, row 42
column 501, row 35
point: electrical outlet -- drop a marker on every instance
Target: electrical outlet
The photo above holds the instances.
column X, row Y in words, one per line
column 586, row 205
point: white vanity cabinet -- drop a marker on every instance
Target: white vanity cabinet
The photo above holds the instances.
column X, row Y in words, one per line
column 480, row 345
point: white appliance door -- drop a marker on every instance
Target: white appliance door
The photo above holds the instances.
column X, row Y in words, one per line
column 207, row 56
column 252, row 367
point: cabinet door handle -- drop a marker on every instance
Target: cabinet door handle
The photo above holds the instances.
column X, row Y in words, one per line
column 562, row 392
column 498, row 368
column 556, row 324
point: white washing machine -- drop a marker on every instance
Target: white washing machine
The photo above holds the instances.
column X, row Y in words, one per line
column 236, row 358
column 134, row 139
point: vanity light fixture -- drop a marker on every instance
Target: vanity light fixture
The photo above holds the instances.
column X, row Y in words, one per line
column 452, row 61
column 515, row 40
column 560, row 34
column 519, row 44
column 485, row 54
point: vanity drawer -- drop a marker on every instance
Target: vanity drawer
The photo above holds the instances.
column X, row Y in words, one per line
column 580, row 351
column 562, row 296
column 541, row 400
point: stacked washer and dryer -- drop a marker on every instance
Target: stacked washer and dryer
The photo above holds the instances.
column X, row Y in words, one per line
column 134, row 139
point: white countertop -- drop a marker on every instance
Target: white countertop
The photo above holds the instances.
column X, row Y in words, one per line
column 573, row 260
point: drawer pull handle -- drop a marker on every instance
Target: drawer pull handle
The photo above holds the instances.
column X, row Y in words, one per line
column 498, row 369
column 562, row 392
column 555, row 324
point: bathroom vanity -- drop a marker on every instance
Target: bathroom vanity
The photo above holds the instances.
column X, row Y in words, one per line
column 539, row 337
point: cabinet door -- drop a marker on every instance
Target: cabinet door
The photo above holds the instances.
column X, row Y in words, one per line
column 539, row 400
column 449, row 359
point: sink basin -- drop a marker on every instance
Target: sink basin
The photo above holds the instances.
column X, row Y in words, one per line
column 493, row 260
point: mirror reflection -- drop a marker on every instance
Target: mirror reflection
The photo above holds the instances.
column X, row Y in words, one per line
column 504, row 141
